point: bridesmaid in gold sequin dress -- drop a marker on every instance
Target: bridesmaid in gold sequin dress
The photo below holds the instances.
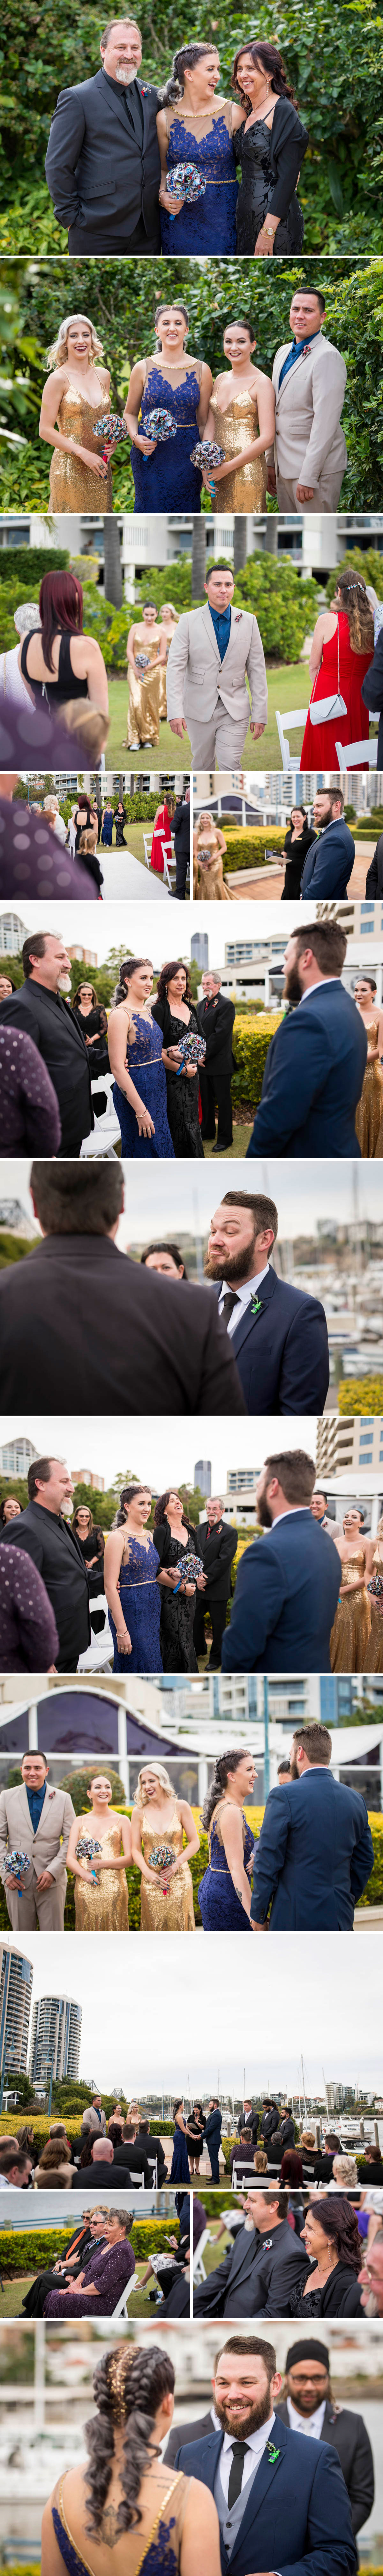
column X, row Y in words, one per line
column 242, row 419
column 75, row 397
column 374, row 1656
column 369, row 1115
column 169, row 621
column 101, row 1903
column 167, row 1886
column 351, row 1630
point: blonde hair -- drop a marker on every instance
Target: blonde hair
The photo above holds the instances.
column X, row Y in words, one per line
column 87, row 725
column 59, row 348
column 51, row 805
column 168, row 610
column 345, row 2172
column 160, row 1774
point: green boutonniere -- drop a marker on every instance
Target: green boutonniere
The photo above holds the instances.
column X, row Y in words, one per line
column 272, row 2454
column 256, row 1306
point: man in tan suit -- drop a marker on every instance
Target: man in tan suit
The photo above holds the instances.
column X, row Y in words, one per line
column 210, row 654
column 37, row 1820
column 309, row 378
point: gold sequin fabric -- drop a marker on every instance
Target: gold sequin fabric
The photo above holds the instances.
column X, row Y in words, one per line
column 144, row 696
column 174, row 1912
column 369, row 1115
column 374, row 1656
column 235, row 428
column 102, row 1904
column 350, row 1633
column 72, row 485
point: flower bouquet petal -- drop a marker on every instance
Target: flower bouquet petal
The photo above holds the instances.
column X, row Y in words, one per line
column 193, row 1051
column 112, row 429
column 190, row 1568
column 142, row 661
column 206, row 456
column 187, row 181
column 159, row 424
column 85, row 1850
column 17, row 1862
column 162, row 1855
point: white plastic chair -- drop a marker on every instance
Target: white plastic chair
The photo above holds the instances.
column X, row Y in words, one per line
column 152, row 2160
column 295, row 716
column 133, row 2284
column 350, row 753
column 242, row 2181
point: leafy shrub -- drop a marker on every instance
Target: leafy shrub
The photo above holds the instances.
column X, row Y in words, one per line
column 249, row 847
column 360, row 1395
column 27, row 565
column 251, row 1041
column 36, row 2249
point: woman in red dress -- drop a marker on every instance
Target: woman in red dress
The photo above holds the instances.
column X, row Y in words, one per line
column 343, row 637
column 161, row 832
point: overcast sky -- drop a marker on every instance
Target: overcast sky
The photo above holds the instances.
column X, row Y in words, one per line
column 216, row 2009
column 145, row 929
column 159, row 1449
column 164, row 1198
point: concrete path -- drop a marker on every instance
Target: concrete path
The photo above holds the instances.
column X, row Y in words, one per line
column 124, row 875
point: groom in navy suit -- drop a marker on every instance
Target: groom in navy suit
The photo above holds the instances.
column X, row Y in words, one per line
column 330, row 860
column 315, row 1850
column 315, row 1065
column 275, row 2512
column 277, row 1333
column 287, row 1584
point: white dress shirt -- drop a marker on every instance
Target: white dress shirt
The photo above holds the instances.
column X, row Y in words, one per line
column 244, row 1291
column 314, row 988
column 307, row 2423
column 253, row 2455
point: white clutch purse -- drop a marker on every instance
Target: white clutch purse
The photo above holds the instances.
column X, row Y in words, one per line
column 324, row 710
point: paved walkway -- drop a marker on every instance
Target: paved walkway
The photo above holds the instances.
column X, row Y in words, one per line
column 269, row 887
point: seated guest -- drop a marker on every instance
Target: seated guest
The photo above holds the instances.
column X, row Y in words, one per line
column 29, row 1112
column 148, row 1348
column 373, row 2160
column 87, row 2237
column 55, row 2170
column 308, row 2407
column 291, row 2168
column 101, row 2169
column 28, row 1632
column 104, row 2276
column 15, row 2167
column 266, row 2510
column 344, row 2174
column 153, row 2146
column 330, row 2285
column 264, row 2267
column 132, row 2152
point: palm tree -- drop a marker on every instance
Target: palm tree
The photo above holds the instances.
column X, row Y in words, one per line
column 112, row 561
column 199, row 557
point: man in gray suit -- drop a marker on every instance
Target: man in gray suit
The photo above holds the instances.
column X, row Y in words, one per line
column 36, row 1820
column 213, row 650
column 309, row 378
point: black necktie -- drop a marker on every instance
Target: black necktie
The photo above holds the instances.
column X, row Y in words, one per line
column 133, row 104
column 236, row 2472
column 230, row 1299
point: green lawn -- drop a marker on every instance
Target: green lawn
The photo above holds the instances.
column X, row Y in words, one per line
column 133, row 837
column 240, row 1142
column 288, row 686
column 215, row 2253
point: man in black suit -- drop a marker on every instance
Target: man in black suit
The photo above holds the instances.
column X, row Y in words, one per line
column 278, row 1334
column 307, row 2406
column 39, row 1007
column 41, row 1531
column 182, row 844
column 132, row 2152
column 212, row 2135
column 269, row 2122
column 374, row 878
column 101, row 2172
column 216, row 1018
column 103, row 161
column 153, row 2147
column 216, row 1543
column 248, row 2124
column 262, row 2268
column 372, row 692
column 78, row 1314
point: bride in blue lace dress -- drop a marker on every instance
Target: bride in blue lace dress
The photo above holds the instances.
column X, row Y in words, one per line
column 131, row 1566
column 162, row 471
column 135, row 1050
column 224, row 1894
column 124, row 2513
column 193, row 126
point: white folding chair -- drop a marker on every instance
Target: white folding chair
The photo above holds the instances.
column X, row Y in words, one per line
column 198, row 2265
column 105, row 1133
column 242, row 2180
column 350, row 754
column 146, row 849
column 169, row 865
column 133, row 2284
column 295, row 716
column 152, row 2160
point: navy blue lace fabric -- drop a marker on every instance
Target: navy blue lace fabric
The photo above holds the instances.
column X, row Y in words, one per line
column 144, row 1063
column 167, row 480
column 161, row 2558
column 141, row 1608
column 209, row 225
column 221, row 1909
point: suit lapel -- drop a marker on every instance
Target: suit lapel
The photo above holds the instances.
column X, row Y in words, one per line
column 298, row 362
column 207, row 622
column 259, row 2488
column 116, row 97
column 248, row 1322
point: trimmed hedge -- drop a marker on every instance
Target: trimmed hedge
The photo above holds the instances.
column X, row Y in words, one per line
column 360, row 1395
column 251, row 1041
column 247, row 845
column 34, row 2249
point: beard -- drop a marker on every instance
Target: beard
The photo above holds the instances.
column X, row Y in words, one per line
column 292, row 987
column 126, row 72
column 236, row 1266
column 294, row 1774
column 241, row 2424
column 370, row 2307
column 264, row 1515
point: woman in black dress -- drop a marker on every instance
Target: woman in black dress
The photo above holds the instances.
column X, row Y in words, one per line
column 120, row 820
column 270, row 142
column 92, row 1543
column 194, row 2136
column 174, row 1011
column 334, row 2254
column 174, row 1537
column 297, row 842
column 94, row 1026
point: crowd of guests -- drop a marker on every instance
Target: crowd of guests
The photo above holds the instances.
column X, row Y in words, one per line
column 265, row 2145
column 290, row 2263
column 171, row 1058
column 99, row 2264
column 257, row 127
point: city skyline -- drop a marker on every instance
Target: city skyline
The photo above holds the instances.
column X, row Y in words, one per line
column 218, row 2012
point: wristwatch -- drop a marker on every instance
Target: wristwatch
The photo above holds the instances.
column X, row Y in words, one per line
column 269, row 229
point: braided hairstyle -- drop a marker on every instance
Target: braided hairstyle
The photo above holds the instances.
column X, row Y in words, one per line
column 183, row 61
column 226, row 1762
column 352, row 595
column 129, row 2386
